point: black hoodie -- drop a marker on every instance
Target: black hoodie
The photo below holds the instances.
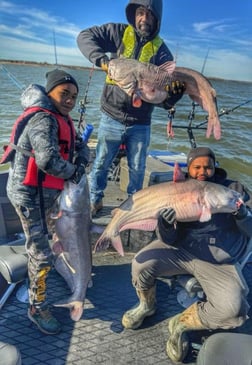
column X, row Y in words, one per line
column 155, row 6
column 96, row 42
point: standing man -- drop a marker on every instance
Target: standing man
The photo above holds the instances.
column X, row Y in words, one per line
column 121, row 122
column 44, row 151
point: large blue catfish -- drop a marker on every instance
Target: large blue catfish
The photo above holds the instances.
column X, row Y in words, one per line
column 148, row 82
column 192, row 200
column 72, row 244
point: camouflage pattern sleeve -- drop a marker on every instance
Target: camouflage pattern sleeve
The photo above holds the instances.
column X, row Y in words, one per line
column 43, row 135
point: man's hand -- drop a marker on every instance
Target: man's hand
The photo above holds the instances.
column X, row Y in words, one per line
column 104, row 62
column 241, row 212
column 168, row 216
column 175, row 88
column 175, row 91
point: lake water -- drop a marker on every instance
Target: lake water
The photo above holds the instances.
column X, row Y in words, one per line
column 233, row 151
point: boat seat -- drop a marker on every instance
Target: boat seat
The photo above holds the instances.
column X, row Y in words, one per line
column 10, row 224
column 192, row 290
column 13, row 268
column 13, row 263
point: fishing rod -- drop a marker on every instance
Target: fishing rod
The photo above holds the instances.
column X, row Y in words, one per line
column 199, row 126
column 13, row 78
column 205, row 61
column 227, row 111
column 236, row 107
column 224, row 111
column 191, row 116
column 192, row 113
column 84, row 128
column 190, row 128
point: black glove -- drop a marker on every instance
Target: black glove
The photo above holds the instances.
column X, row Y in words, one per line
column 168, row 216
column 80, row 170
column 241, row 212
column 175, row 91
column 175, row 88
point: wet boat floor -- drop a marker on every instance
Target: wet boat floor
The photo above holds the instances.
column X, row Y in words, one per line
column 99, row 338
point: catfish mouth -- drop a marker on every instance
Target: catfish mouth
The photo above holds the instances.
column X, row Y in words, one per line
column 239, row 203
column 234, row 203
column 230, row 200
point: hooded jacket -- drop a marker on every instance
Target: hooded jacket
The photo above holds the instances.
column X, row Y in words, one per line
column 97, row 41
column 223, row 239
column 155, row 6
column 41, row 137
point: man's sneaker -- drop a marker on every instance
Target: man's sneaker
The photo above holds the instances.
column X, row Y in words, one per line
column 44, row 320
column 95, row 208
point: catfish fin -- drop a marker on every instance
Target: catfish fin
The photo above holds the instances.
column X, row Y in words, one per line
column 178, row 174
column 168, row 66
column 104, row 242
column 76, row 307
column 217, row 131
column 113, row 212
column 117, row 244
column 143, row 225
column 205, row 214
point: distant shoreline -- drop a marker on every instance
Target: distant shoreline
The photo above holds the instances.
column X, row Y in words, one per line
column 33, row 63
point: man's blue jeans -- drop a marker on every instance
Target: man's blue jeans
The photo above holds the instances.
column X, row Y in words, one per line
column 111, row 134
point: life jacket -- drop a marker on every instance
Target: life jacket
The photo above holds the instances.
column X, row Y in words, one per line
column 66, row 135
column 149, row 50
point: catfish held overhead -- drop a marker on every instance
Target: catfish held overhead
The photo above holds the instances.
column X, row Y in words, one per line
column 150, row 82
column 192, row 200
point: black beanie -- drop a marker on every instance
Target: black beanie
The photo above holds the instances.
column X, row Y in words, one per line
column 199, row 152
column 58, row 77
